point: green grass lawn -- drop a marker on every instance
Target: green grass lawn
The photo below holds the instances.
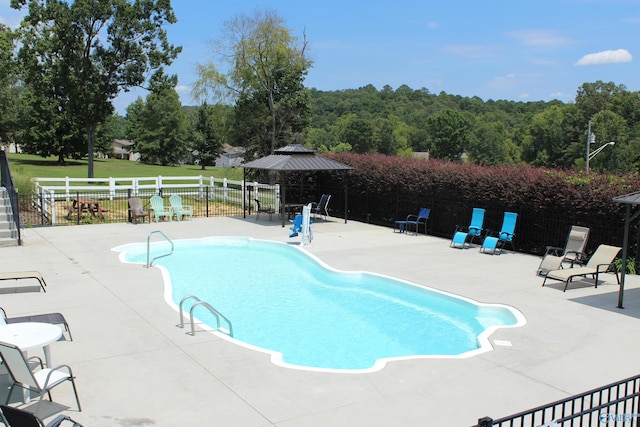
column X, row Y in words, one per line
column 26, row 166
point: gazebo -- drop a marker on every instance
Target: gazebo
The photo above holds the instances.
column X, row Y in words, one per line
column 631, row 199
column 296, row 158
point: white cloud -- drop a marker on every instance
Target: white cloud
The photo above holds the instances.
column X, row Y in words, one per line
column 523, row 96
column 182, row 88
column 539, row 38
column 606, row 57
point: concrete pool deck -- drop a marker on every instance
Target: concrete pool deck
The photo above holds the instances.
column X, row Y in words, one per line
column 134, row 367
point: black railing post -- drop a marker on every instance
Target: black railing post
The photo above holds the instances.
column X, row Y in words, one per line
column 79, row 209
column 485, row 422
column 129, row 213
column 206, row 202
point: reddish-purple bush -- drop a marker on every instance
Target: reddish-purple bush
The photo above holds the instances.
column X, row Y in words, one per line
column 385, row 188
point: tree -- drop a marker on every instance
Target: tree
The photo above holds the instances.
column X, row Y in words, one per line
column 9, row 88
column 449, row 133
column 608, row 126
column 210, row 131
column 266, row 69
column 356, row 132
column 87, row 51
column 594, row 97
column 489, row 145
column 163, row 127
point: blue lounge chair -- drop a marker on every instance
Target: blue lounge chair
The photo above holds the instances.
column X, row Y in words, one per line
column 416, row 221
column 495, row 243
column 464, row 234
column 321, row 206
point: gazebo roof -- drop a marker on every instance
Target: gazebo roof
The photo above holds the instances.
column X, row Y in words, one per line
column 295, row 157
column 629, row 199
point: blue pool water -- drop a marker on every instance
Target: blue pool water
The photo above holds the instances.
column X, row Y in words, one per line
column 281, row 299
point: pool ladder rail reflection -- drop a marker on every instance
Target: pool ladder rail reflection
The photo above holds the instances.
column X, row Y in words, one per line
column 149, row 260
column 206, row 305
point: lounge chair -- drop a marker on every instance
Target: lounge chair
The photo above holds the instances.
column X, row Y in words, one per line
column 17, row 275
column 549, row 263
column 321, row 206
column 263, row 208
column 464, row 235
column 180, row 210
column 136, row 210
column 53, row 318
column 600, row 262
column 494, row 242
column 416, row 221
column 14, row 417
column 41, row 381
column 160, row 210
column 573, row 251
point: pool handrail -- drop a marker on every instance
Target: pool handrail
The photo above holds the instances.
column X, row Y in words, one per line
column 208, row 306
column 149, row 263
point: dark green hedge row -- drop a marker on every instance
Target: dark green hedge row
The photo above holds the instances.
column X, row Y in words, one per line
column 382, row 189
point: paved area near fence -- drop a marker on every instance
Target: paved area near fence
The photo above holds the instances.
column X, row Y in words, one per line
column 134, row 367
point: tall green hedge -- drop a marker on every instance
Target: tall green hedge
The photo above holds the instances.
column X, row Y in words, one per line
column 382, row 189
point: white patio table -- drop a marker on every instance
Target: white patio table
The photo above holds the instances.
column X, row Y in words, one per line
column 30, row 335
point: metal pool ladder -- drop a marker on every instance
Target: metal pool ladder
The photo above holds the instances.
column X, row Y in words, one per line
column 206, row 305
column 150, row 262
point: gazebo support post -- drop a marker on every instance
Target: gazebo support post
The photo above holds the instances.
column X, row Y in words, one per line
column 625, row 242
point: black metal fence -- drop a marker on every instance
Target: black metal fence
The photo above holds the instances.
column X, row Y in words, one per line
column 534, row 231
column 616, row 404
column 104, row 207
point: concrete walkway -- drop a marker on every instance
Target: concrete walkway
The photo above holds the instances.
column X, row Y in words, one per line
column 134, row 367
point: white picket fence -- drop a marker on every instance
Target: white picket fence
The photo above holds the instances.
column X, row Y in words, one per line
column 50, row 190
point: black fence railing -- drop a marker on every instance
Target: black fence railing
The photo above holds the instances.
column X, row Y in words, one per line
column 616, row 404
column 7, row 182
column 534, row 232
column 104, row 207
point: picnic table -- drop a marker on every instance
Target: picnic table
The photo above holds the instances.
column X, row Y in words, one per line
column 85, row 205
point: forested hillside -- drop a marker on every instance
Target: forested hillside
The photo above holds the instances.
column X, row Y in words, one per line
column 451, row 127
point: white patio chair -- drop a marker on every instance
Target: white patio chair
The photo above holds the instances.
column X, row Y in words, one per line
column 41, row 381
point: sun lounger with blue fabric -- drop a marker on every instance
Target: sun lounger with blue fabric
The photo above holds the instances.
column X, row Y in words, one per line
column 464, row 235
column 494, row 242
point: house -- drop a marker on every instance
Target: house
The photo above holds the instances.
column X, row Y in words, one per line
column 231, row 157
column 122, row 150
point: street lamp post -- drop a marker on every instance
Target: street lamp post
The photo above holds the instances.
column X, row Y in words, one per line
column 591, row 138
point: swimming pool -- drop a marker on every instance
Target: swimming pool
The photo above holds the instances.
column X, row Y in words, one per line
column 283, row 300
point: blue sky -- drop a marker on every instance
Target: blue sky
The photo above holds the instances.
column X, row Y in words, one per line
column 521, row 51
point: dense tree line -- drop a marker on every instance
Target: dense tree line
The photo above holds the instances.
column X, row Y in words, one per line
column 552, row 134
